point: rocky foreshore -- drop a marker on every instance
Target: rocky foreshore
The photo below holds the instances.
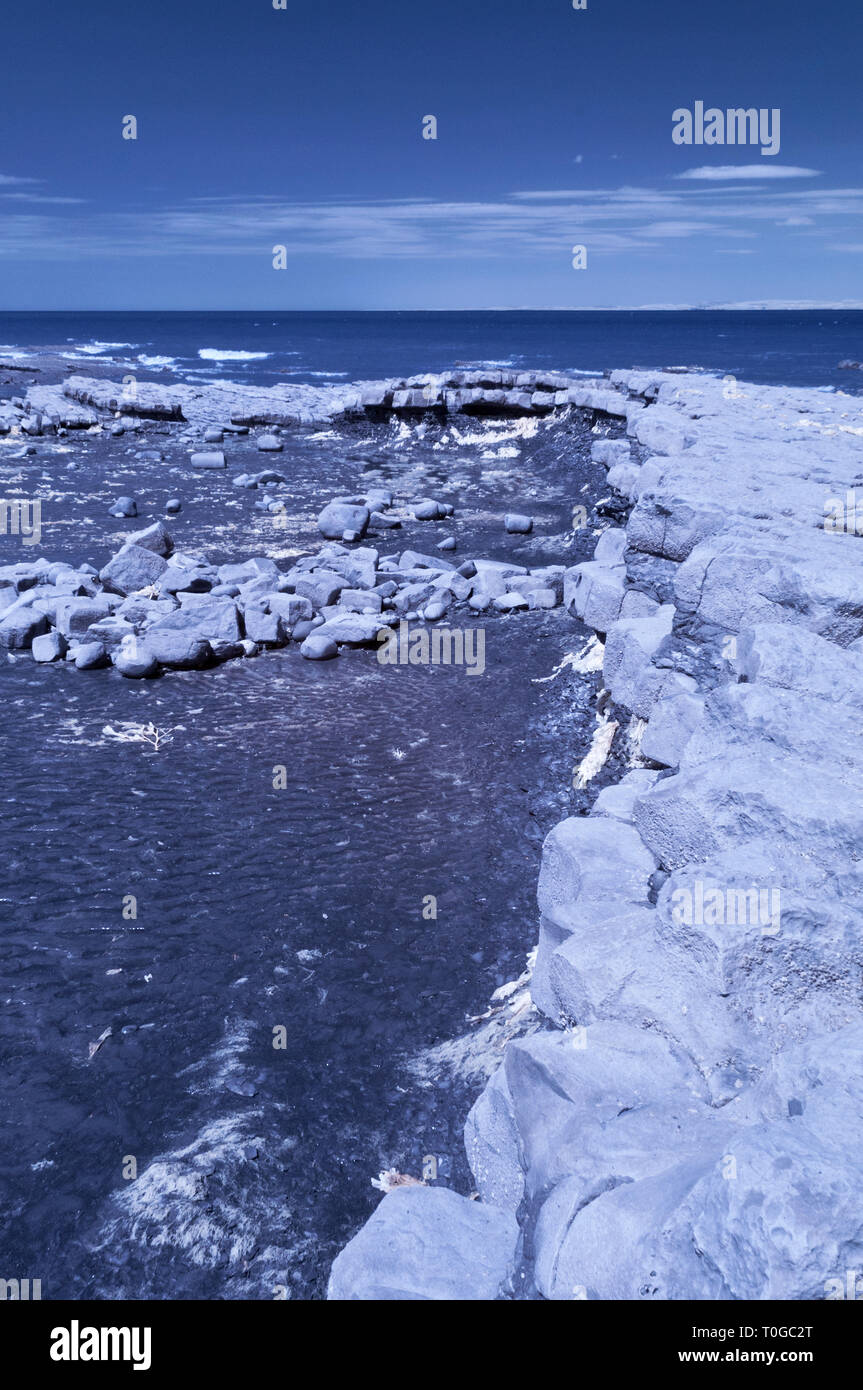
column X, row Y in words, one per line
column 689, row 1122
column 152, row 608
column 79, row 402
column 155, row 607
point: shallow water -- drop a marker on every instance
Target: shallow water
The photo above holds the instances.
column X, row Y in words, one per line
column 257, row 909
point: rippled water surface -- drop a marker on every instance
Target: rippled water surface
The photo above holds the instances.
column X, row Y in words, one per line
column 262, row 908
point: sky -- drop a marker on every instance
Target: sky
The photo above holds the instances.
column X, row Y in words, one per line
column 302, row 127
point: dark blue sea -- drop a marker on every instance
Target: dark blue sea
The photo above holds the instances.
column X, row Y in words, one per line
column 801, row 348
column 155, row 1144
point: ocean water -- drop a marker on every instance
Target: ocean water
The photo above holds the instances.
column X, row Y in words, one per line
column 186, row 1157
column 801, row 348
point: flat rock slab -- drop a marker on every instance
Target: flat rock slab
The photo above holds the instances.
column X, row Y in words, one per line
column 428, row 1243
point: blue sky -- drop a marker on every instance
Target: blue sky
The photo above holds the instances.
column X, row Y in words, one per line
column 302, row 127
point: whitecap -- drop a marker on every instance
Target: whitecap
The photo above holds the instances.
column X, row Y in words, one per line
column 155, row 361
column 229, row 355
column 94, row 349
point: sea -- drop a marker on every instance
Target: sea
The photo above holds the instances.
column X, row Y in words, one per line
column 773, row 347
column 248, row 965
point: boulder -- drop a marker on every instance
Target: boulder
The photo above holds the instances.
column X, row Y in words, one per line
column 426, row 1243
column 73, row 616
column 353, row 629
column 132, row 568
column 155, row 538
column 179, row 650
column 320, row 587
column 338, row 517
column 267, row 629
column 135, row 661
column 51, row 646
column 318, row 648
column 90, row 655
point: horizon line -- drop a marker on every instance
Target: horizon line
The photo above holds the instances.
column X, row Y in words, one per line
column 755, row 306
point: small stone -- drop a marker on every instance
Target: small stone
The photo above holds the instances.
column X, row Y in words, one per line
column 428, row 511
column 518, row 525
column 173, row 505
column 123, row 507
column 270, row 444
column 208, row 460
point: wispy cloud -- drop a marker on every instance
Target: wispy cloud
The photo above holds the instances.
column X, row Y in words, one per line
column 13, row 178
column 718, row 173
column 538, row 224
column 38, row 198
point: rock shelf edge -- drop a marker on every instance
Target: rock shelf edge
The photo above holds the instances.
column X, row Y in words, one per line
column 689, row 1122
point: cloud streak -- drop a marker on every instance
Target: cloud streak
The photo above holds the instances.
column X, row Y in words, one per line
column 537, row 225
column 718, row 173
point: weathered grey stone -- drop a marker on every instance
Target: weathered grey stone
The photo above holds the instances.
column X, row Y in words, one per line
column 73, row 616
column 353, row 629
column 428, row 1243
column 672, row 721
column 131, row 569
column 338, row 517
column 267, row 629
column 135, row 661
column 627, row 668
column 124, row 507
column 213, row 459
column 51, row 646
column 155, row 538
column 179, row 650
column 320, row 587
column 90, row 655
column 318, row 648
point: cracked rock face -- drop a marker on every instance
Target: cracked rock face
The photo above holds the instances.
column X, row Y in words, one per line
column 689, row 1124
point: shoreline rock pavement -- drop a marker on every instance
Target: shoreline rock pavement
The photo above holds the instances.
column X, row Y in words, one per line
column 689, row 1125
